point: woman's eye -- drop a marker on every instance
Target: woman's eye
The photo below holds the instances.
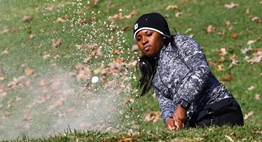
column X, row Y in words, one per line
column 138, row 38
column 149, row 34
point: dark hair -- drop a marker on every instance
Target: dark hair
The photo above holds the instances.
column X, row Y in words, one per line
column 147, row 68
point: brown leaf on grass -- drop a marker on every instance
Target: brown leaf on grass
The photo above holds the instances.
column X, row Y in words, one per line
column 234, row 61
column 116, row 17
column 7, row 113
column 63, row 113
column 257, row 96
column 220, row 67
column 29, row 71
column 56, row 44
column 87, row 59
column 210, row 29
column 256, row 132
column 231, row 5
column 27, row 126
column 247, row 10
column 178, row 14
column 244, row 51
column 234, row 35
column 116, row 51
column 253, row 18
column 5, row 51
column 2, row 78
column 257, row 57
column 84, row 73
column 153, row 116
column 91, row 46
column 222, row 32
column 82, row 21
column 97, row 52
column 127, row 140
column 132, row 14
column 119, row 60
column 42, row 83
column 27, row 116
column 116, row 66
column 251, row 88
column 253, row 41
column 108, row 4
column 229, row 138
column 171, row 7
column 227, row 78
column 199, row 139
column 128, row 100
column 222, row 51
column 246, row 116
column 48, row 9
column 126, row 28
column 260, row 2
column 16, row 81
column 27, row 18
column 221, row 59
column 61, row 20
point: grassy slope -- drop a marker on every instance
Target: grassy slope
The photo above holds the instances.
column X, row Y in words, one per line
column 197, row 15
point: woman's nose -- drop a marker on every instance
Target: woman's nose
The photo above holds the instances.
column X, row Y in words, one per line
column 144, row 40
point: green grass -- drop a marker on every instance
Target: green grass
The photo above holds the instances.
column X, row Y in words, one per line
column 74, row 110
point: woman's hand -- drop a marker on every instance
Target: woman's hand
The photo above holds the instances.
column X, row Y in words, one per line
column 170, row 124
column 179, row 116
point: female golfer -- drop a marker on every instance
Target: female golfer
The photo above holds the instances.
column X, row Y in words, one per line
column 188, row 93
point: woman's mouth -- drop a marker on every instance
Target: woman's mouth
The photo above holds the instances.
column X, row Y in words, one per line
column 147, row 48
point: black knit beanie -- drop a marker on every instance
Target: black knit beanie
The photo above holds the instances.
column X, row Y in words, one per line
column 152, row 21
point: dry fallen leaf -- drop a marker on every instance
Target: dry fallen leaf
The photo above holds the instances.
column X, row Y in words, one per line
column 61, row 20
column 56, row 44
column 222, row 52
column 248, row 115
column 222, row 32
column 227, row 78
column 171, row 7
column 257, row 97
column 27, row 18
column 257, row 57
column 220, row 67
column 2, row 78
column 251, row 88
column 108, row 4
column 178, row 14
column 253, row 41
column 210, row 29
column 244, row 51
column 116, row 51
column 132, row 14
column 229, row 138
column 231, row 5
column 256, row 132
column 29, row 71
column 127, row 140
column 234, row 35
column 153, row 116
column 234, row 60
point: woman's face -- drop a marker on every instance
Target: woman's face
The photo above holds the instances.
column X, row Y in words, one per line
column 149, row 42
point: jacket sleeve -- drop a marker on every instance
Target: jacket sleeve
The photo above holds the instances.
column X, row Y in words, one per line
column 195, row 59
column 166, row 105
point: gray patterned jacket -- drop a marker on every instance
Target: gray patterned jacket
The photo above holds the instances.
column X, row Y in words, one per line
column 183, row 73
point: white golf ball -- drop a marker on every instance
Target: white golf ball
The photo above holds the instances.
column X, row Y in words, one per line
column 95, row 79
